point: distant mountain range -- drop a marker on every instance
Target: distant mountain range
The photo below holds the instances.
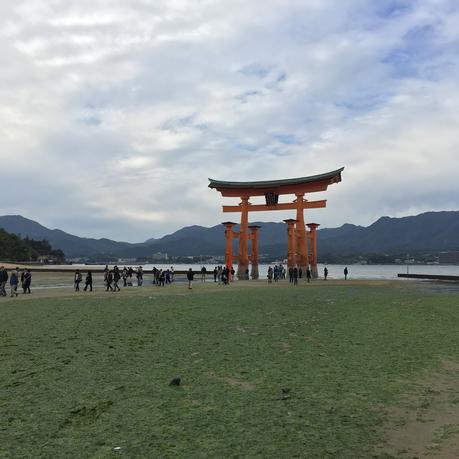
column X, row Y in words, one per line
column 430, row 231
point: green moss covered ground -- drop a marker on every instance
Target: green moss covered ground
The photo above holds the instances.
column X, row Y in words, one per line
column 83, row 373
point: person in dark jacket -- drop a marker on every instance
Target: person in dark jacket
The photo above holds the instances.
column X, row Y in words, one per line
column 295, row 276
column 88, row 281
column 27, row 281
column 139, row 275
column 3, row 280
column 162, row 278
column 270, row 275
column 124, row 276
column 116, row 278
column 109, row 281
column 203, row 274
column 308, row 274
column 190, row 277
column 346, row 272
column 325, row 273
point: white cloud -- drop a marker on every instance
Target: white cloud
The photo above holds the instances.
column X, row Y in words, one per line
column 118, row 111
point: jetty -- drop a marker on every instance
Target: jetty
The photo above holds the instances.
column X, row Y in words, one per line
column 440, row 277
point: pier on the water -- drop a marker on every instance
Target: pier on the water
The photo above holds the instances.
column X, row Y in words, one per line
column 441, row 277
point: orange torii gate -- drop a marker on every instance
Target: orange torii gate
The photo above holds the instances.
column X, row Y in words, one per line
column 298, row 237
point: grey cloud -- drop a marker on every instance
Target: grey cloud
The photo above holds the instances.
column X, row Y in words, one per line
column 122, row 113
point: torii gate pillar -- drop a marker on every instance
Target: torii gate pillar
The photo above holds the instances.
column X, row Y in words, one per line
column 302, row 243
column 243, row 255
column 291, row 257
column 229, row 234
column 313, row 246
column 254, row 256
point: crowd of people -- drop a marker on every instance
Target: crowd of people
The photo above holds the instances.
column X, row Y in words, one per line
column 295, row 273
column 160, row 277
column 221, row 274
column 13, row 279
column 128, row 276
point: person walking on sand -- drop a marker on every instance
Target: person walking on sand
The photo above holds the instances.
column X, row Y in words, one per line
column 27, row 281
column 346, row 272
column 203, row 274
column 139, row 275
column 270, row 275
column 14, row 280
column 88, row 281
column 290, row 274
column 124, row 276
column 295, row 275
column 308, row 274
column 116, row 278
column 109, row 281
column 325, row 273
column 3, row 280
column 190, row 277
column 276, row 273
column 77, row 278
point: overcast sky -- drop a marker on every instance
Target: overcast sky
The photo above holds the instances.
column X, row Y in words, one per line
column 113, row 113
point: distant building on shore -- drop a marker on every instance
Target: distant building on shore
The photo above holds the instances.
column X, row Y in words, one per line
column 159, row 256
column 127, row 260
column 449, row 258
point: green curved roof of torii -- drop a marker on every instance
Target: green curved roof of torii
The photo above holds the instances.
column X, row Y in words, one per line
column 333, row 176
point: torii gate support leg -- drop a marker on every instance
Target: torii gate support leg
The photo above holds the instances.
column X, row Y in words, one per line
column 243, row 255
column 291, row 257
column 254, row 257
column 229, row 234
column 302, row 243
column 313, row 239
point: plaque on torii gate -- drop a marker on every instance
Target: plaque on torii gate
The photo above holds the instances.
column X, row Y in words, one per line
column 298, row 236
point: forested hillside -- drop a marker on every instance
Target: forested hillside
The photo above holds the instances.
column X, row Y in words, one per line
column 13, row 248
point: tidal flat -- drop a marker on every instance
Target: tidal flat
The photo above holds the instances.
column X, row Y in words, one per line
column 328, row 369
